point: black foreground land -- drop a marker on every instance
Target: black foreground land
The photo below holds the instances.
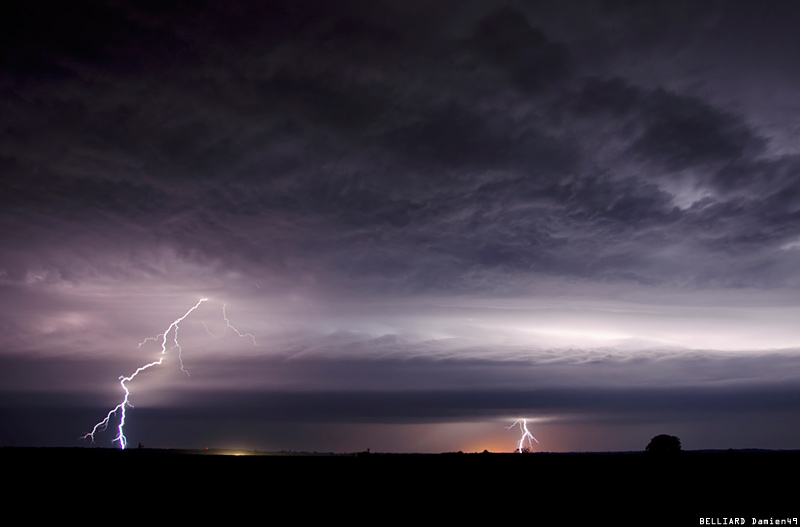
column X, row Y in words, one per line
column 568, row 489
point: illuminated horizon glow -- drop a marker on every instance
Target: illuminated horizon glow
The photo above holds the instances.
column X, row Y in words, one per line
column 173, row 327
column 523, row 425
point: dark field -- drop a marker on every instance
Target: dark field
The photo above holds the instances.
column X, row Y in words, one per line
column 507, row 489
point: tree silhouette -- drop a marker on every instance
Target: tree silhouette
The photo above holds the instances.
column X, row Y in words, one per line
column 663, row 444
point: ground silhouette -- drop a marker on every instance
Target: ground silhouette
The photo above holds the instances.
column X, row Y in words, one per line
column 663, row 444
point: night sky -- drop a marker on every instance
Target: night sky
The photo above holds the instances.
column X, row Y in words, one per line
column 434, row 217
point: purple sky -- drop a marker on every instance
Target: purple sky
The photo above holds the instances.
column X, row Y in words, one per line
column 434, row 217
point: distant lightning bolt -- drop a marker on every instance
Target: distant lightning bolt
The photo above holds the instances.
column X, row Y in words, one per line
column 208, row 330
column 228, row 325
column 526, row 435
column 173, row 328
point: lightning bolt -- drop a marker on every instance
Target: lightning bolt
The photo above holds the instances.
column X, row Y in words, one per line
column 208, row 330
column 173, row 328
column 228, row 325
column 526, row 435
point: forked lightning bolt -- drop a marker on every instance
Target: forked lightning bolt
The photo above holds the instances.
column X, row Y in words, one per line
column 173, row 328
column 526, row 435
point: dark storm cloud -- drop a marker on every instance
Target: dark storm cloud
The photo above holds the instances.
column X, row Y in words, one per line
column 349, row 384
column 405, row 157
column 587, row 406
column 305, row 71
column 684, row 132
column 41, row 38
column 505, row 38
column 673, row 130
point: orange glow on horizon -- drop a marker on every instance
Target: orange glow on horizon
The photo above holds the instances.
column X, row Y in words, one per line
column 492, row 446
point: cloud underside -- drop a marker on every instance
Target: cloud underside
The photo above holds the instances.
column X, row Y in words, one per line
column 556, row 385
column 334, row 148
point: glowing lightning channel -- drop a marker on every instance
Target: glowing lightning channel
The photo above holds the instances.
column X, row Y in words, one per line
column 208, row 330
column 526, row 435
column 102, row 425
column 228, row 325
